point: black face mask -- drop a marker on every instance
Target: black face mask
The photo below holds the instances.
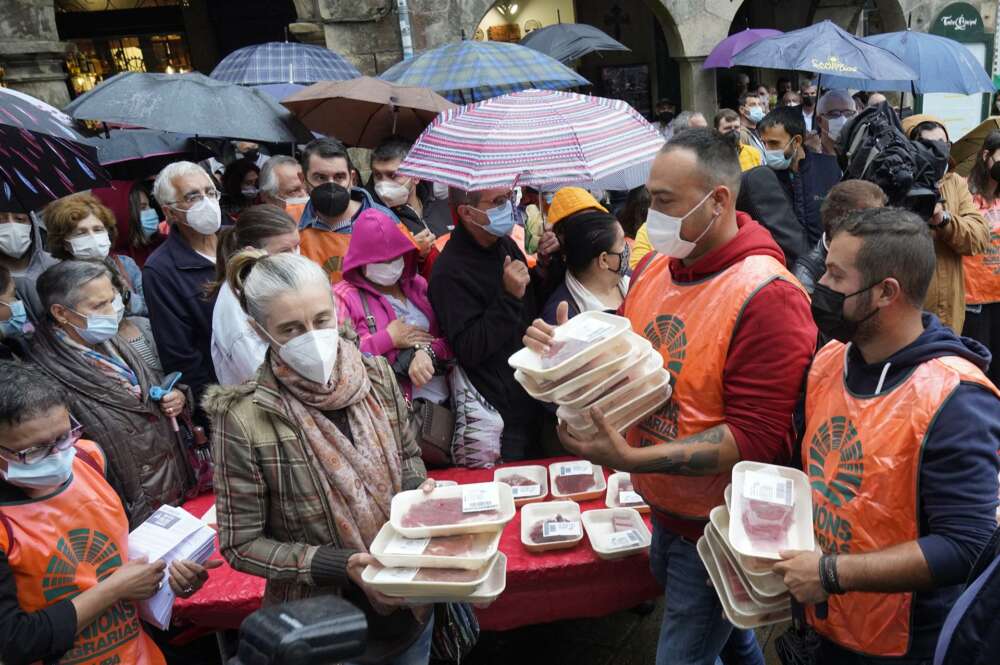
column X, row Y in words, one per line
column 808, row 101
column 995, row 172
column 330, row 199
column 665, row 117
column 252, row 155
column 828, row 313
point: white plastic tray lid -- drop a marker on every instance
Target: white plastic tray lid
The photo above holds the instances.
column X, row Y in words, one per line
column 771, row 510
column 578, row 339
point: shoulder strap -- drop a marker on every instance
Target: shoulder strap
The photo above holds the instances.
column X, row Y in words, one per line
column 369, row 319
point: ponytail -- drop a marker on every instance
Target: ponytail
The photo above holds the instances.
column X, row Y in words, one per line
column 256, row 225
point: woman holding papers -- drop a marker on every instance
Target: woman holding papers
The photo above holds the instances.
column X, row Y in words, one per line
column 309, row 455
column 68, row 591
column 109, row 384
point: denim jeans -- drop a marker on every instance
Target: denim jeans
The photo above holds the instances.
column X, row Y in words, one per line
column 694, row 629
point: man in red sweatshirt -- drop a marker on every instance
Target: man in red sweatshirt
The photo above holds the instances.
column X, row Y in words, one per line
column 735, row 331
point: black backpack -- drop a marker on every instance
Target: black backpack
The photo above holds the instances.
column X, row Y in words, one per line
column 971, row 633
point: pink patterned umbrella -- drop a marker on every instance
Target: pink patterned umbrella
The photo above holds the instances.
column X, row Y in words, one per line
column 536, row 138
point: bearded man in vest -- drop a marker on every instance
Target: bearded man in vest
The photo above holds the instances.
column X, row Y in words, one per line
column 68, row 591
column 900, row 445
column 733, row 328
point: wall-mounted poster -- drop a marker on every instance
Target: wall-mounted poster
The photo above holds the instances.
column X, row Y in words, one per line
column 509, row 32
column 629, row 83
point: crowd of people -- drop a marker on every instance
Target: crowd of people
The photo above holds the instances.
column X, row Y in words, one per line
column 281, row 331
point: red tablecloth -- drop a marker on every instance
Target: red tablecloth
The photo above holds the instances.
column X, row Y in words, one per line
column 562, row 584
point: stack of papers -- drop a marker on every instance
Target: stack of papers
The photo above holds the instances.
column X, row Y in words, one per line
column 170, row 534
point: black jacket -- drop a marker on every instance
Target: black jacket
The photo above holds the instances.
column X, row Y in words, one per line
column 484, row 325
column 436, row 214
column 807, row 189
column 762, row 197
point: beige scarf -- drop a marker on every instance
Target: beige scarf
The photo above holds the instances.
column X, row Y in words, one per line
column 361, row 477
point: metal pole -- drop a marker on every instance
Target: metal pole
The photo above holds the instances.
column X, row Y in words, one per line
column 404, row 29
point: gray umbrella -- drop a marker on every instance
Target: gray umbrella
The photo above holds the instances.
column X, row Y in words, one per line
column 189, row 104
column 569, row 41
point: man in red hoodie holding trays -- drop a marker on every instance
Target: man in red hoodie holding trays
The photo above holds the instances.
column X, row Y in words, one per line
column 735, row 331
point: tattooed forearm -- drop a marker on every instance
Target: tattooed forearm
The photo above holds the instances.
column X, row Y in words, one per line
column 706, row 453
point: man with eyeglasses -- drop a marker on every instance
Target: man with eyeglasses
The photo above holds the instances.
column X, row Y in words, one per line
column 484, row 297
column 175, row 275
column 68, row 590
column 833, row 110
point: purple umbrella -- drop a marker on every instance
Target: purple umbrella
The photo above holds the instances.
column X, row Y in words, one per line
column 722, row 54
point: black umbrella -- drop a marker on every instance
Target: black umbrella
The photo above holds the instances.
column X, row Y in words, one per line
column 567, row 42
column 189, row 104
column 42, row 158
column 134, row 153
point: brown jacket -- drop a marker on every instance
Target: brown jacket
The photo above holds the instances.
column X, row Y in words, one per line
column 967, row 233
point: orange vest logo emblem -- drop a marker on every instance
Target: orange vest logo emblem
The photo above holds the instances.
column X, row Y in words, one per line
column 836, row 476
column 84, row 547
column 667, row 332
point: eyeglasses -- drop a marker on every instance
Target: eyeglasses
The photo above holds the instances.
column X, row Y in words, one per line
column 38, row 453
column 195, row 197
column 837, row 113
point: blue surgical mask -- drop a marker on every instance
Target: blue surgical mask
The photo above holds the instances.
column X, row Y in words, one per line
column 501, row 220
column 777, row 159
column 102, row 327
column 149, row 221
column 52, row 471
column 17, row 325
column 756, row 114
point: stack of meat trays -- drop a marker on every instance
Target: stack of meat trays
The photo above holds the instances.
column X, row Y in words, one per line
column 768, row 509
column 596, row 360
column 443, row 546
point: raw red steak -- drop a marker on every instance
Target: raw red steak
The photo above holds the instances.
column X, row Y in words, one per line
column 458, row 546
column 437, row 512
column 735, row 584
column 537, row 534
column 575, row 484
column 562, row 350
column 766, row 523
column 446, row 575
column 517, row 480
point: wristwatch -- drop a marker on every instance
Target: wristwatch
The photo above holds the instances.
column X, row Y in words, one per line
column 945, row 220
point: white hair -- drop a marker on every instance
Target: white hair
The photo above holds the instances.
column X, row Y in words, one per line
column 267, row 182
column 683, row 120
column 163, row 187
column 831, row 96
column 258, row 279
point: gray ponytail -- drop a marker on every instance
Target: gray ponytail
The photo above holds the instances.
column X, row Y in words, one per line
column 257, row 279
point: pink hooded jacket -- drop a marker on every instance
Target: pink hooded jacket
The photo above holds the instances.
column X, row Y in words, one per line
column 377, row 239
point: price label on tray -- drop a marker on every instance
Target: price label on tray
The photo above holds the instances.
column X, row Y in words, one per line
column 578, row 468
column 405, row 546
column 478, row 498
column 623, row 539
column 629, row 498
column 768, row 487
column 589, row 330
column 554, row 528
column 395, row 575
column 524, row 491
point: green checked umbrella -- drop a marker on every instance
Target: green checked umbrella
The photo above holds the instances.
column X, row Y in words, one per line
column 471, row 71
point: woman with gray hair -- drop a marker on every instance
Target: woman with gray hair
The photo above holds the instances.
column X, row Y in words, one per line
column 109, row 385
column 309, row 456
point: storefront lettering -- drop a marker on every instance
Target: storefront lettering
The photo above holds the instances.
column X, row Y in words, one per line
column 959, row 23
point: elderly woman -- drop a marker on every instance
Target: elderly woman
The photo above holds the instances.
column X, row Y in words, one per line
column 308, row 456
column 109, row 384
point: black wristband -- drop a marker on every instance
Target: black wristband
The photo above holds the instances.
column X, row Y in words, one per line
column 828, row 578
column 834, row 576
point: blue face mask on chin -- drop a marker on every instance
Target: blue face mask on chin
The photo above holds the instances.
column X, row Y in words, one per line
column 501, row 220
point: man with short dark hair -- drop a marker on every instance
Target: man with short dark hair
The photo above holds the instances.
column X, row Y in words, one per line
column 720, row 308
column 727, row 121
column 806, row 176
column 411, row 199
column 808, row 96
column 335, row 201
column 901, row 438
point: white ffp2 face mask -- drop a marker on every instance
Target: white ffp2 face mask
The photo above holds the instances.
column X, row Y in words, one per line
column 385, row 274
column 205, row 216
column 665, row 232
column 90, row 246
column 392, row 193
column 834, row 126
column 313, row 354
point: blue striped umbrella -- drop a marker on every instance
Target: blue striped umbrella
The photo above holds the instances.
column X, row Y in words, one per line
column 471, row 71
column 283, row 62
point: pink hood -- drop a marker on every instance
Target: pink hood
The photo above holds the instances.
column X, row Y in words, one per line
column 375, row 238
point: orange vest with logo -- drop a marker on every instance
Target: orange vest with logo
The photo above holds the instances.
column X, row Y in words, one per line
column 329, row 248
column 862, row 455
column 64, row 544
column 691, row 325
column 982, row 271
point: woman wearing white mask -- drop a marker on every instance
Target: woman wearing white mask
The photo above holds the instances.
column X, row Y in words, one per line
column 22, row 253
column 308, row 456
column 386, row 299
column 237, row 350
column 109, row 387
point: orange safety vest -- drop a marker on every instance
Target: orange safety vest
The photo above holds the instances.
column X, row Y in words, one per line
column 517, row 235
column 61, row 545
column 862, row 455
column 982, row 271
column 691, row 325
column 329, row 248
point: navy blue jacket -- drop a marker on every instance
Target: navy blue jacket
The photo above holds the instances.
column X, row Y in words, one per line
column 174, row 279
column 807, row 189
column 958, row 471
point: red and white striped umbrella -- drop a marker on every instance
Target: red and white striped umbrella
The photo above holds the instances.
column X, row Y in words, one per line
column 536, row 138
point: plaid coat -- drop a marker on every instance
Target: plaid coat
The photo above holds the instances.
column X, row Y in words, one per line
column 272, row 512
